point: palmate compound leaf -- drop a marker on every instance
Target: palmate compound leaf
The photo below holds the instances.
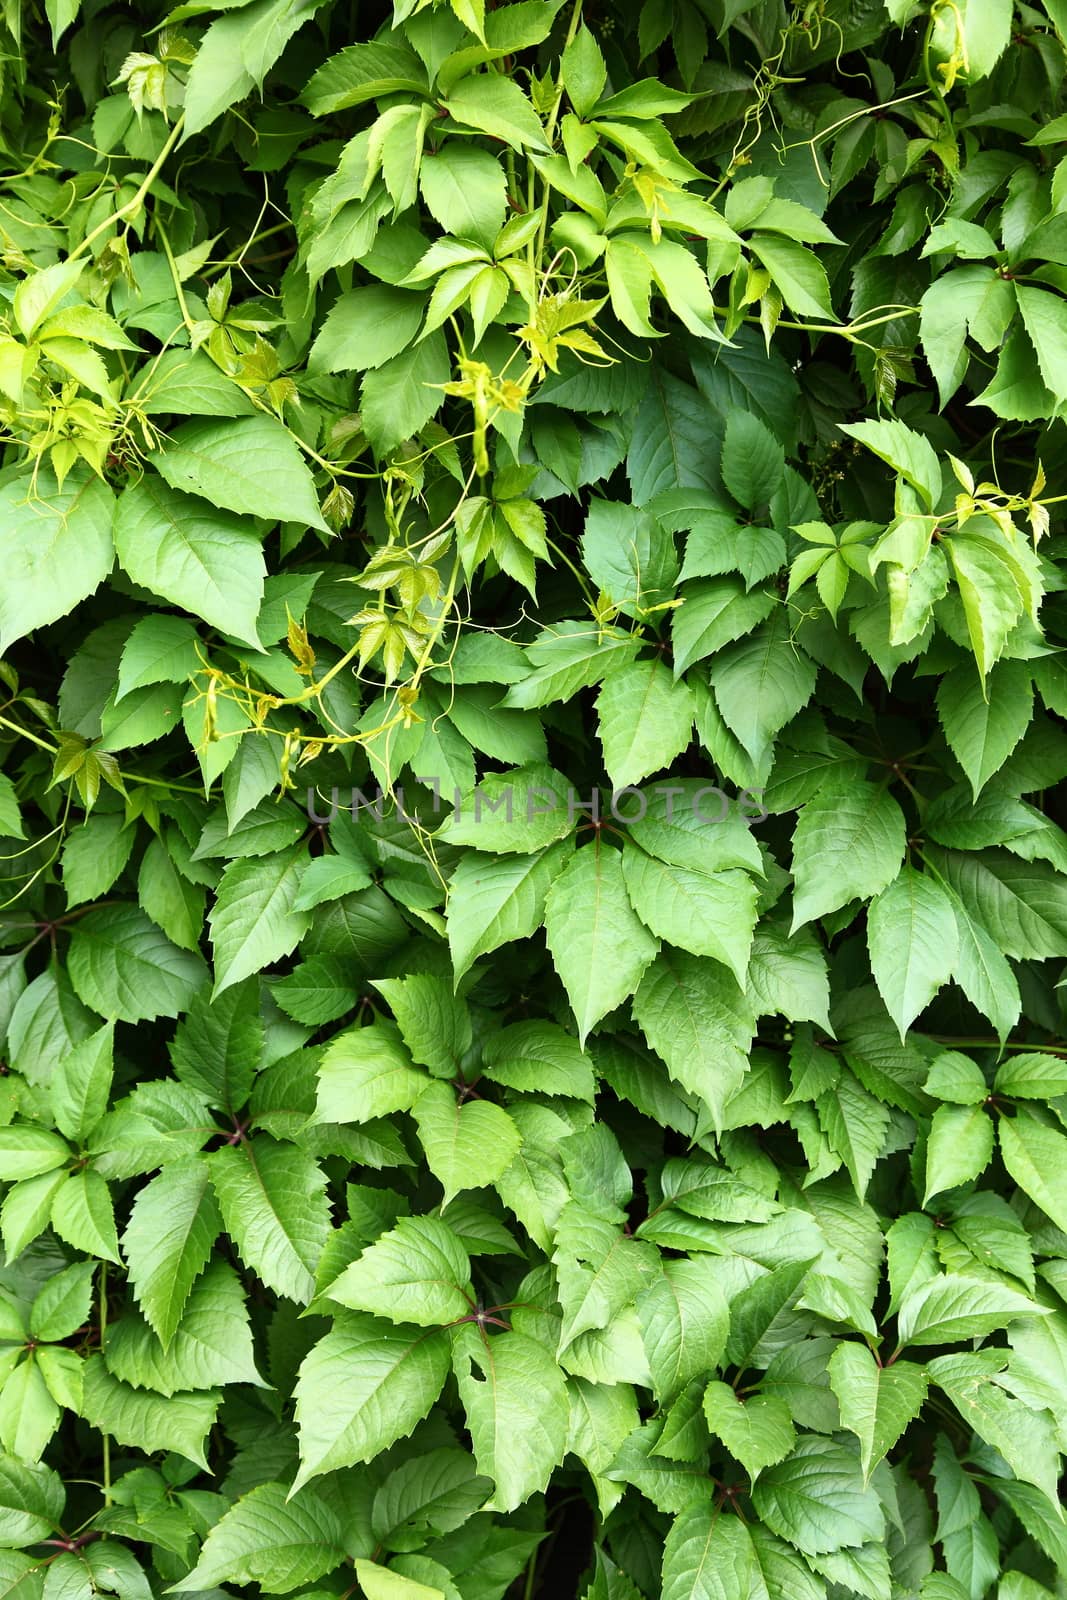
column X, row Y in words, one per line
column 362, row 1387
column 515, row 1399
column 877, row 1403
column 272, row 1539
column 417, row 1273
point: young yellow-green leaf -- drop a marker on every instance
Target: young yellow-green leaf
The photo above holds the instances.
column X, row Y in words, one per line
column 876, row 1403
column 419, row 1272
column 599, row 945
column 362, row 1387
column 913, row 940
column 958, row 1147
column 515, row 1400
column 384, row 1583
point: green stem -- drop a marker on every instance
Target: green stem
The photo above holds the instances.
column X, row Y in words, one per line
column 131, row 207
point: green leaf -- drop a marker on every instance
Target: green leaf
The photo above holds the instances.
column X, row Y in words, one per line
column 467, row 1145
column 515, row 1400
column 203, row 559
column 212, row 1344
column 362, row 1387
column 81, row 1084
column 1045, row 320
column 62, row 1304
column 753, row 461
column 817, row 1500
column 58, row 548
column 540, row 1057
column 173, row 1225
column 598, row 944
column 708, row 1555
column 269, row 1539
column 274, row 1206
column 1034, row 1155
column 907, row 452
column 913, row 941
column 254, row 921
column 384, row 1583
column 708, row 914
column 684, row 1324
column 697, row 1019
column 31, row 1502
column 983, row 724
column 123, row 966
column 1032, row 1076
column 877, row 1403
column 83, row 1214
column 761, row 683
column 464, row 188
column 364, row 72
column 401, row 395
column 848, row 845
column 645, row 720
column 947, row 1309
column 757, row 1431
column 797, row 274
column 160, row 649
column 714, row 614
column 496, row 105
column 415, row 1273
column 494, row 900
column 958, row 1148
column 366, row 327
column 250, row 465
column 149, row 1422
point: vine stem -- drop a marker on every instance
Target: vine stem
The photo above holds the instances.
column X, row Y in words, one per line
column 132, row 206
column 103, row 1333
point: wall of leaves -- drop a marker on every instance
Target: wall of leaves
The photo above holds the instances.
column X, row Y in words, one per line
column 533, row 895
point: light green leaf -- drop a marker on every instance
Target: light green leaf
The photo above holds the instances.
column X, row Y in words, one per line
column 708, row 914
column 363, row 1387
column 1035, row 1155
column 58, row 548
column 149, row 1422
column 912, row 939
column 761, row 683
column 984, row 723
column 877, row 1403
column 267, row 1538
column 253, row 922
column 81, row 1083
column 757, row 1431
column 494, row 900
column 273, row 1202
column 947, row 1309
column 250, row 465
column 515, row 1399
column 205, row 560
column 697, row 1019
column 598, row 944
column 959, row 1145
column 467, row 1145
column 848, row 845
column 173, row 1224
column 416, row 1273
column 817, row 1500
column 496, row 105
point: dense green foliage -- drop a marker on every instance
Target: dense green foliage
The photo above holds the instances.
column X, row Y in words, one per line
column 421, row 1180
